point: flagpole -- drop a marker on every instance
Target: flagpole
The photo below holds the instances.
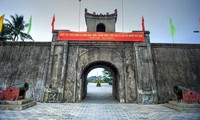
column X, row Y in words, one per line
column 199, row 24
column 122, row 15
column 79, row 22
column 197, row 31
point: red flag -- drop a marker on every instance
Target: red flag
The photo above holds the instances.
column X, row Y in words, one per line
column 143, row 27
column 52, row 23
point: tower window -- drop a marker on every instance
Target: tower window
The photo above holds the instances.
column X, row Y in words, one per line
column 101, row 28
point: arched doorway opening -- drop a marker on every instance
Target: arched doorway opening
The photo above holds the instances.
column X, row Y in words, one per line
column 107, row 66
column 101, row 28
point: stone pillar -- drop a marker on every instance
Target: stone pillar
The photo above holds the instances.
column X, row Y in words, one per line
column 55, row 82
column 146, row 85
column 64, row 69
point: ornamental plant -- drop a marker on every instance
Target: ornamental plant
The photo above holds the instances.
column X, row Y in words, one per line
column 98, row 84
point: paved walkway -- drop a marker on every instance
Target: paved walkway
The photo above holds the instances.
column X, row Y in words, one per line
column 97, row 106
column 99, row 95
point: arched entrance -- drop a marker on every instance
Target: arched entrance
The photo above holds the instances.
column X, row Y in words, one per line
column 101, row 64
column 101, row 28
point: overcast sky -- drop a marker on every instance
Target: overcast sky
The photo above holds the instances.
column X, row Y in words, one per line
column 184, row 13
column 96, row 72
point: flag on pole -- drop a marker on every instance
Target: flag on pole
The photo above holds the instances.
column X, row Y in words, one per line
column 30, row 25
column 172, row 28
column 1, row 22
column 143, row 27
column 199, row 24
column 52, row 23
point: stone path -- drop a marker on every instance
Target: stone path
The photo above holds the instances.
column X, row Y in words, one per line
column 99, row 95
column 97, row 106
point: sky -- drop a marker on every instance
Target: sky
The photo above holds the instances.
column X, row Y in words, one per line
column 184, row 13
column 96, row 72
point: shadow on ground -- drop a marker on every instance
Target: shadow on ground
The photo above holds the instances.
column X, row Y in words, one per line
column 99, row 95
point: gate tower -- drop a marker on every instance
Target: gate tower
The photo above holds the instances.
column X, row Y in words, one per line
column 100, row 22
column 130, row 63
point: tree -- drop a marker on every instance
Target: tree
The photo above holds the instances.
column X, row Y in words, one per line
column 17, row 27
column 5, row 34
column 107, row 75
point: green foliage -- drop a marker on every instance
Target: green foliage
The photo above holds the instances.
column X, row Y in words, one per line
column 106, row 78
column 110, row 83
column 5, row 34
column 15, row 29
column 91, row 79
column 98, row 84
column 96, row 81
column 107, row 75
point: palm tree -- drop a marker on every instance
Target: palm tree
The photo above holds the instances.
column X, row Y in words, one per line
column 6, row 33
column 17, row 26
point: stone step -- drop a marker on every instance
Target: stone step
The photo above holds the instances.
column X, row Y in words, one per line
column 183, row 107
column 16, row 102
column 174, row 107
column 17, row 106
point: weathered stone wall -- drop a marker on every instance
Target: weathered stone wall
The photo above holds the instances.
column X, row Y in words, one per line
column 82, row 54
column 24, row 62
column 175, row 65
column 143, row 70
column 145, row 82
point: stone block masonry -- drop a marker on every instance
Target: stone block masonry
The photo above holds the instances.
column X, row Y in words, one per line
column 24, row 62
column 144, row 73
column 175, row 64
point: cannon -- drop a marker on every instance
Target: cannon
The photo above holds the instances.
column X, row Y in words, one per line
column 21, row 86
column 178, row 90
column 191, row 96
column 186, row 95
column 15, row 92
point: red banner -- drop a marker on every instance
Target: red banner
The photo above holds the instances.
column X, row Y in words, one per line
column 101, row 36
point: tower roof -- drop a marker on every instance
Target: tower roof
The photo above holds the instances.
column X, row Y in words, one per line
column 100, row 16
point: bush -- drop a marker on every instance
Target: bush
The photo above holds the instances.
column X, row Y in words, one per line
column 98, row 84
column 110, row 83
column 96, row 81
column 102, row 81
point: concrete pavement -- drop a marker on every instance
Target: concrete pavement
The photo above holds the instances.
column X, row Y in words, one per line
column 99, row 105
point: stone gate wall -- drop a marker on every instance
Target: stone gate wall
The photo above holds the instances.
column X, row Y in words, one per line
column 24, row 62
column 171, row 64
column 117, row 53
column 175, row 64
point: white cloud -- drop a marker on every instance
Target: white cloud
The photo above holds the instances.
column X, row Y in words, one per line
column 95, row 72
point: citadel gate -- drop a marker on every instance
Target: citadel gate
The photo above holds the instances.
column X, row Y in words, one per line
column 71, row 61
column 143, row 72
